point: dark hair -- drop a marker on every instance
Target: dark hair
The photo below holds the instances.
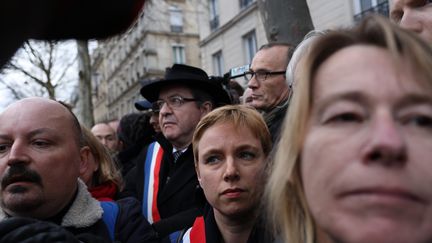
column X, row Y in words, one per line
column 135, row 129
column 273, row 44
column 202, row 96
column 236, row 91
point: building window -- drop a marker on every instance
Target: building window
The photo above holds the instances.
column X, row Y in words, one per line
column 176, row 19
column 364, row 7
column 218, row 63
column 214, row 14
column 245, row 3
column 178, row 54
column 250, row 46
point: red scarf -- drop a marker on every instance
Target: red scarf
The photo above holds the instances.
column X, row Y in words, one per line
column 104, row 192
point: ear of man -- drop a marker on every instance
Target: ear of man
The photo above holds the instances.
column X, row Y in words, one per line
column 85, row 154
column 205, row 108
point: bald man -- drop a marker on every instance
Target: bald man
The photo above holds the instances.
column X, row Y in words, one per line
column 106, row 135
column 41, row 156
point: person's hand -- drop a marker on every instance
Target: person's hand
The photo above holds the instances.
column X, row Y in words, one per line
column 27, row 230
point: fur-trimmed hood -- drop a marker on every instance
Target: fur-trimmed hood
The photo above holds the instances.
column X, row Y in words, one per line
column 84, row 211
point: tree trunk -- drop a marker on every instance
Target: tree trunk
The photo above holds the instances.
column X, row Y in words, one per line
column 51, row 90
column 84, row 105
column 285, row 20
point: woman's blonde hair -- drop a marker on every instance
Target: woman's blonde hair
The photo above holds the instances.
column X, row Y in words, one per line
column 284, row 192
column 108, row 168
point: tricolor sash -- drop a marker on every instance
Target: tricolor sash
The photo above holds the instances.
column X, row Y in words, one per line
column 151, row 182
column 195, row 234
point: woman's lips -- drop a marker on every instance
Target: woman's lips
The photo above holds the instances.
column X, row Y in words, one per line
column 379, row 195
column 233, row 192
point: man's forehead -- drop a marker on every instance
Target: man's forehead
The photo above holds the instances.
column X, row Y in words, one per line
column 102, row 128
column 33, row 131
column 15, row 124
column 275, row 56
column 37, row 110
column 175, row 89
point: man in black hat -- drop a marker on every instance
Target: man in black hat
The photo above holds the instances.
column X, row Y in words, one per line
column 164, row 177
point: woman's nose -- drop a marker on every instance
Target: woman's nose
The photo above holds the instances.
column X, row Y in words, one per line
column 386, row 144
column 231, row 171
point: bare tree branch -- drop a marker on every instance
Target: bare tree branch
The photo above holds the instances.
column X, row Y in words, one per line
column 33, row 54
column 28, row 74
column 40, row 68
column 15, row 92
column 61, row 79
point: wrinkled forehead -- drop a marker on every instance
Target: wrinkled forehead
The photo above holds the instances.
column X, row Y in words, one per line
column 37, row 112
column 174, row 89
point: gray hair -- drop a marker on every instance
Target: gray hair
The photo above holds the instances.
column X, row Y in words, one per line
column 300, row 51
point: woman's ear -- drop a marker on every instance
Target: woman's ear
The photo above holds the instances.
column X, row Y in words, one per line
column 198, row 174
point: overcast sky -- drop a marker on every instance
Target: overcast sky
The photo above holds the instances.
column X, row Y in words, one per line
column 63, row 94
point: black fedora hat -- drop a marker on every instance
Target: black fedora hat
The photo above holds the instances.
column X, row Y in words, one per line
column 192, row 77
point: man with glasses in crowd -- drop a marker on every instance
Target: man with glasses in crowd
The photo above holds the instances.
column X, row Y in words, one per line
column 164, row 177
column 270, row 91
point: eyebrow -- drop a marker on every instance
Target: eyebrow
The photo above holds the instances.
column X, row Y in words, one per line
column 239, row 148
column 32, row 133
column 353, row 96
column 260, row 70
column 41, row 131
column 357, row 97
column 414, row 99
column 170, row 96
column 4, row 137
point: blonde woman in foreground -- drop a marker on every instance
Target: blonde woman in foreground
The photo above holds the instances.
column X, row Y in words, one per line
column 353, row 164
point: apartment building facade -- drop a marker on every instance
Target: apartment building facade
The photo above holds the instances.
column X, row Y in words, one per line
column 216, row 35
column 233, row 30
column 165, row 33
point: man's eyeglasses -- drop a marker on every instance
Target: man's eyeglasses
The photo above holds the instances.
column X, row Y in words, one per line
column 172, row 102
column 260, row 75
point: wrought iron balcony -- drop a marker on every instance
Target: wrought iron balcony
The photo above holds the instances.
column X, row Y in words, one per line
column 214, row 23
column 381, row 8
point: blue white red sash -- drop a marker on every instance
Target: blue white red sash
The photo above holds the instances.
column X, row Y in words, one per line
column 195, row 234
column 151, row 182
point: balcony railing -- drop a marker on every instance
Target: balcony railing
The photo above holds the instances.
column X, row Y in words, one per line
column 245, row 3
column 176, row 28
column 214, row 23
column 382, row 8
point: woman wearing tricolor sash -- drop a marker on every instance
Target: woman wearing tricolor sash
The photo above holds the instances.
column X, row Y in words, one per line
column 231, row 145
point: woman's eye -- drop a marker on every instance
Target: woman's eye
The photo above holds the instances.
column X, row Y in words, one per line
column 246, row 155
column 212, row 159
column 420, row 121
column 345, row 117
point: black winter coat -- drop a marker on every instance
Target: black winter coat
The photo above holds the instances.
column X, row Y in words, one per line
column 176, row 200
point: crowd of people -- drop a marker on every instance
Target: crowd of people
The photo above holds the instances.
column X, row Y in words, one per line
column 329, row 143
